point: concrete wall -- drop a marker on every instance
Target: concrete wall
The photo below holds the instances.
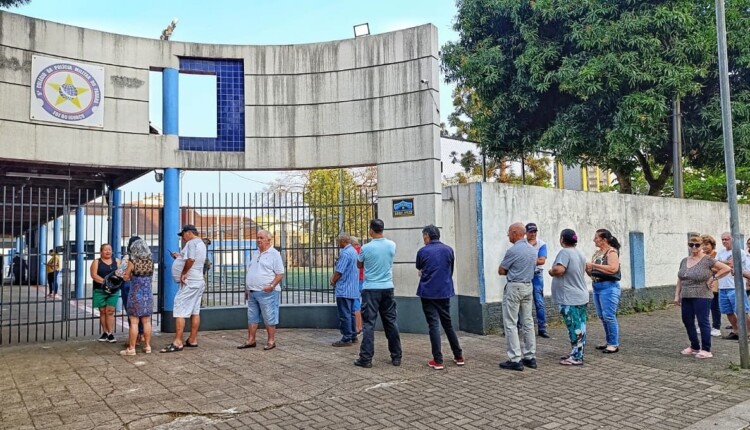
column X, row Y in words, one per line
column 481, row 214
column 665, row 223
column 343, row 103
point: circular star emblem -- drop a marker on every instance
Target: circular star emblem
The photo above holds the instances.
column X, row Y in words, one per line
column 68, row 92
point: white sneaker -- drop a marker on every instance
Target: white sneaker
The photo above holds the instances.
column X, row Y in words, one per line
column 715, row 332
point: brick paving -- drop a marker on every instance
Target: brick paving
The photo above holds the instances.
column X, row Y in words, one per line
column 305, row 383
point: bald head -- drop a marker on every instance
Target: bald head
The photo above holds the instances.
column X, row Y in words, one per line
column 516, row 232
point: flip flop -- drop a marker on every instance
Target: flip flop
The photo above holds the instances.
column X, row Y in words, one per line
column 172, row 348
column 611, row 351
column 269, row 346
column 571, row 362
column 190, row 345
column 247, row 345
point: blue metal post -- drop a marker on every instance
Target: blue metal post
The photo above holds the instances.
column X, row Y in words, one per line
column 80, row 263
column 637, row 260
column 171, row 228
column 170, row 100
column 116, row 239
column 42, row 280
column 56, row 236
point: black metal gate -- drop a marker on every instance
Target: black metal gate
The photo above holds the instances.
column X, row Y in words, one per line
column 34, row 221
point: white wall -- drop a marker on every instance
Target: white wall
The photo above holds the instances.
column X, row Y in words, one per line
column 665, row 223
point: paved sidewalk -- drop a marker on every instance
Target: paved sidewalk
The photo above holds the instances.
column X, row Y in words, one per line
column 305, row 383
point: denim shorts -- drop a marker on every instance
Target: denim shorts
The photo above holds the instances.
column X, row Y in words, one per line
column 263, row 307
column 728, row 301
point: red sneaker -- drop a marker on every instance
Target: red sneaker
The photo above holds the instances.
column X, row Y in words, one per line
column 436, row 366
column 459, row 361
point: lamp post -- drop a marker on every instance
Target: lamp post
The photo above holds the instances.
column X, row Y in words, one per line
column 734, row 222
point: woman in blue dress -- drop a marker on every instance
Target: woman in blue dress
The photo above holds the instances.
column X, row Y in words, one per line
column 140, row 271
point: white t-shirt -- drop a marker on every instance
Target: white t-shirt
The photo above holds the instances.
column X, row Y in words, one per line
column 724, row 255
column 262, row 268
column 194, row 250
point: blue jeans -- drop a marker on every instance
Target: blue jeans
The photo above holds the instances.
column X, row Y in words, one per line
column 606, row 300
column 263, row 307
column 381, row 302
column 346, row 319
column 541, row 316
column 52, row 281
column 692, row 309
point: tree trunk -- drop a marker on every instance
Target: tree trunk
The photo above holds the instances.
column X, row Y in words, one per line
column 626, row 186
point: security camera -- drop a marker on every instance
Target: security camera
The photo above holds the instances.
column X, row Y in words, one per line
column 158, row 176
column 424, row 81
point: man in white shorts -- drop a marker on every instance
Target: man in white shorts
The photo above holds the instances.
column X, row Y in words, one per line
column 189, row 275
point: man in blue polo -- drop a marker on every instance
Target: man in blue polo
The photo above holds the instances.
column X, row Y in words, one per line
column 538, row 281
column 346, row 282
column 435, row 262
column 377, row 296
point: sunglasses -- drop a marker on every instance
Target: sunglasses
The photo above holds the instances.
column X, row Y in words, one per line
column 694, row 245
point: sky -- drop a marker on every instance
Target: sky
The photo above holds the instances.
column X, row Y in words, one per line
column 248, row 22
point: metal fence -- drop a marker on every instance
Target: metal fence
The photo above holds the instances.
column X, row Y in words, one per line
column 304, row 227
column 35, row 220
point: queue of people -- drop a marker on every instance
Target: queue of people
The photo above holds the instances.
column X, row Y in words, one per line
column 363, row 284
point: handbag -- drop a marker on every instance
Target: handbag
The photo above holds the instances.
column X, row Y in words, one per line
column 112, row 283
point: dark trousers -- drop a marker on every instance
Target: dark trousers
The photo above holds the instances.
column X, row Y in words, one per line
column 381, row 302
column 52, row 281
column 715, row 312
column 692, row 309
column 346, row 319
column 438, row 312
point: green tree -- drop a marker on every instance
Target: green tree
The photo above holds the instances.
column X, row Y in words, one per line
column 536, row 169
column 13, row 3
column 594, row 80
column 323, row 197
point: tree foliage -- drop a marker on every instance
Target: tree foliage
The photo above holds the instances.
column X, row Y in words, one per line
column 594, row 80
column 13, row 3
column 536, row 170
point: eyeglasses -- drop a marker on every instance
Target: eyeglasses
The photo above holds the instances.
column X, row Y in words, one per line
column 694, row 245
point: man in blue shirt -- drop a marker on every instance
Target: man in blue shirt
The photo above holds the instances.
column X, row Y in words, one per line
column 538, row 281
column 377, row 295
column 346, row 281
column 435, row 262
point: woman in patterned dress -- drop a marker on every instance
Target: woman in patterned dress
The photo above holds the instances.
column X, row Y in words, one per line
column 140, row 298
column 693, row 293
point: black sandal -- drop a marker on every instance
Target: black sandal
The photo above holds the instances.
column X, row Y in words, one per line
column 189, row 345
column 611, row 351
column 269, row 346
column 172, row 348
column 247, row 345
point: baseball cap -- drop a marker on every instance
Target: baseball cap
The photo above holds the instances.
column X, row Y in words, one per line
column 531, row 227
column 188, row 227
column 569, row 235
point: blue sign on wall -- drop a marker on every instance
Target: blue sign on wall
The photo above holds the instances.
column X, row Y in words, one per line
column 403, row 207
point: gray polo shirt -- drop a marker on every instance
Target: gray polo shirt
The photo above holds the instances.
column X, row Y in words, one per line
column 520, row 262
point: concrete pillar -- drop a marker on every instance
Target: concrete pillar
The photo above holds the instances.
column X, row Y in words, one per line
column 116, row 233
column 80, row 263
column 637, row 259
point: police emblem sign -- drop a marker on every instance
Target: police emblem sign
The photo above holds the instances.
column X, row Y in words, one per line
column 67, row 92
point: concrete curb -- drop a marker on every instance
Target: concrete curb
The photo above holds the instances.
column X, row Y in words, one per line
column 735, row 418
